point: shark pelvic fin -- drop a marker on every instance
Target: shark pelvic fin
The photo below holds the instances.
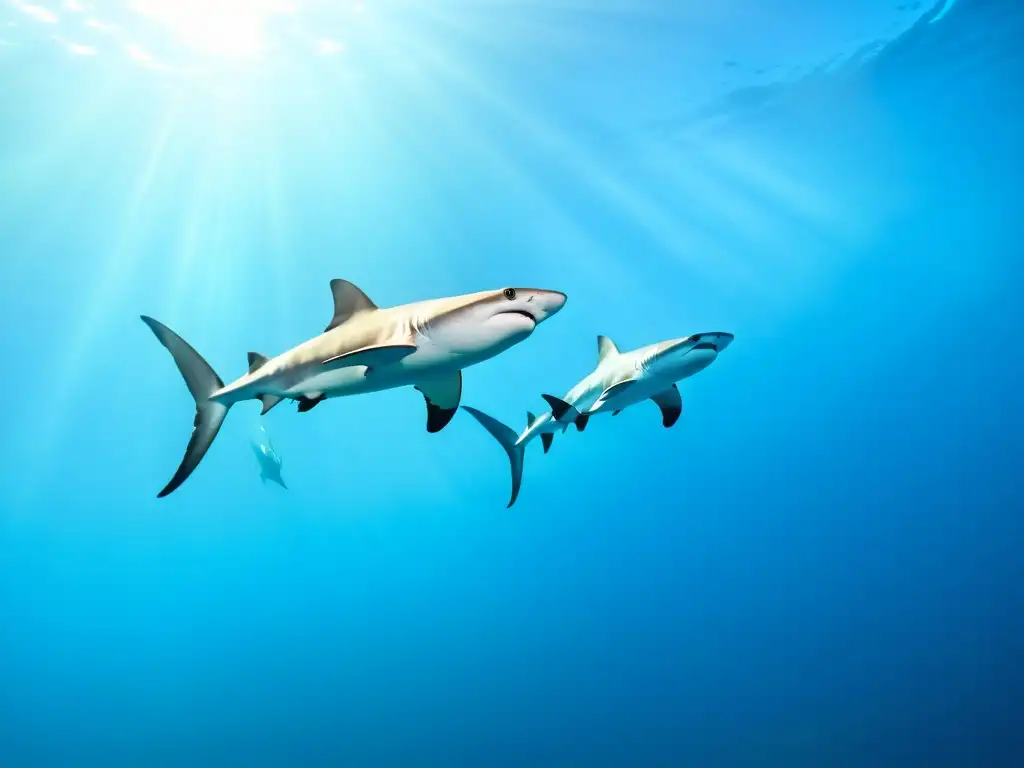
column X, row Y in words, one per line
column 256, row 361
column 380, row 355
column 530, row 418
column 546, row 439
column 605, row 348
column 349, row 300
column 202, row 381
column 442, row 395
column 269, row 401
column 309, row 401
column 560, row 409
column 671, row 404
column 581, row 421
column 508, row 440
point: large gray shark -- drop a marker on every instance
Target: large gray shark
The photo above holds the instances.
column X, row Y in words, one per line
column 621, row 379
column 365, row 349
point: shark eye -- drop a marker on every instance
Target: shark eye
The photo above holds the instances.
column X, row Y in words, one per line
column 510, row 293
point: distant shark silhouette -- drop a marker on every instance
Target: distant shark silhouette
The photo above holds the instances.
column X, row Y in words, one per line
column 621, row 379
column 269, row 460
column 365, row 348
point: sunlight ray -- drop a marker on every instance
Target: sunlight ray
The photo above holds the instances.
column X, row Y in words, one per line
column 279, row 248
column 806, row 202
column 711, row 261
column 29, row 171
column 178, row 303
column 730, row 209
column 590, row 258
column 112, row 278
column 218, row 295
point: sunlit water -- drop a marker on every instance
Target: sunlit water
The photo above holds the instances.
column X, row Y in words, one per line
column 817, row 566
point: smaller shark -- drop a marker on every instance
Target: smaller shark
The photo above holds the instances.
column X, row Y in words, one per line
column 269, row 460
column 621, row 379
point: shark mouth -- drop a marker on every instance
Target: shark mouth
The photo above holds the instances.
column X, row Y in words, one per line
column 715, row 341
column 522, row 312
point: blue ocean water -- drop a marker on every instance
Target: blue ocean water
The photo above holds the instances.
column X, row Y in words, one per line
column 819, row 565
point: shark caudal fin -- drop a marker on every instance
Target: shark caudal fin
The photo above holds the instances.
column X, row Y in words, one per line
column 202, row 381
column 516, row 451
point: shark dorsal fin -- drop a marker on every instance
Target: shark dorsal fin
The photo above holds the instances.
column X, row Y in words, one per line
column 256, row 360
column 348, row 301
column 530, row 418
column 605, row 348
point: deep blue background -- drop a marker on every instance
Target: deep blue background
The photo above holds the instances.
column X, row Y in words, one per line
column 819, row 566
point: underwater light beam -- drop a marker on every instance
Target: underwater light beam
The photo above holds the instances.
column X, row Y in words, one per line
column 640, row 210
column 113, row 275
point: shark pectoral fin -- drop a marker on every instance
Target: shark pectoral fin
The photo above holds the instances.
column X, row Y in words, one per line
column 581, row 421
column 269, row 401
column 376, row 356
column 348, row 301
column 615, row 390
column 310, row 400
column 442, row 394
column 560, row 409
column 546, row 439
column 671, row 404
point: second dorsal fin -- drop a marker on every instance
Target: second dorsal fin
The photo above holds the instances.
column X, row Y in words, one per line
column 605, row 348
column 348, row 301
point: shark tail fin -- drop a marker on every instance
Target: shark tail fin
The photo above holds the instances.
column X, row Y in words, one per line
column 202, row 381
column 516, row 451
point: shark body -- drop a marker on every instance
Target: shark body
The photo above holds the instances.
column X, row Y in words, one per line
column 364, row 349
column 620, row 380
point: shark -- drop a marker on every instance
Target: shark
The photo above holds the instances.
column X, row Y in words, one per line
column 620, row 380
column 364, row 348
column 269, row 460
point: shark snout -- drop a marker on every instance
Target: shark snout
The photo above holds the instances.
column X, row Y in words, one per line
column 543, row 304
